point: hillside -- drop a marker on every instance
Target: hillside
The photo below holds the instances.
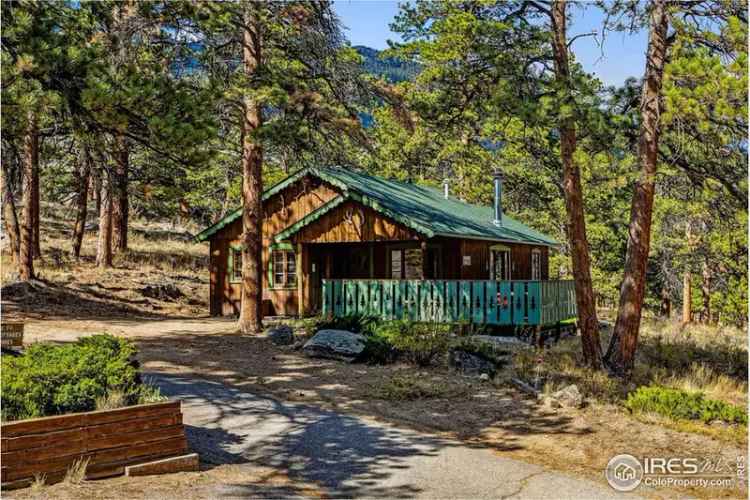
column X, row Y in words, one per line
column 392, row 69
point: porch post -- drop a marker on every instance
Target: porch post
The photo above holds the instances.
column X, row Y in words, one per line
column 423, row 245
column 301, row 279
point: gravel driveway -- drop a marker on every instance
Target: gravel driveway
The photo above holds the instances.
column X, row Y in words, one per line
column 348, row 456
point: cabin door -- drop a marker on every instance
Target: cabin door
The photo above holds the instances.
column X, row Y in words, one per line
column 499, row 263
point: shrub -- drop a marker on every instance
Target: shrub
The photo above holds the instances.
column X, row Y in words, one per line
column 683, row 405
column 420, row 343
column 356, row 324
column 379, row 349
column 51, row 379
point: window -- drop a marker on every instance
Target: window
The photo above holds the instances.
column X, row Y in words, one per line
column 235, row 265
column 536, row 264
column 284, row 269
column 396, row 264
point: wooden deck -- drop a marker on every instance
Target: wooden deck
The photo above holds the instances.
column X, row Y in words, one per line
column 451, row 301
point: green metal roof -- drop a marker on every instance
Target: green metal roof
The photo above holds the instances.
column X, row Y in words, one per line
column 421, row 208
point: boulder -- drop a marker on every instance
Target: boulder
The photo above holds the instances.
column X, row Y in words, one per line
column 569, row 397
column 470, row 364
column 335, row 344
column 281, row 335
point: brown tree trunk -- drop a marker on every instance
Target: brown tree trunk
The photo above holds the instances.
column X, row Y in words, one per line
column 82, row 174
column 625, row 336
column 9, row 215
column 687, row 298
column 706, row 292
column 96, row 188
column 252, row 184
column 35, row 201
column 104, row 243
column 579, row 246
column 30, row 172
column 120, row 205
column 665, row 309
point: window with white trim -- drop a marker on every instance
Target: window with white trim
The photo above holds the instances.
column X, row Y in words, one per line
column 536, row 264
column 284, row 270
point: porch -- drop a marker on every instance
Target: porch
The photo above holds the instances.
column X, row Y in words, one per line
column 487, row 302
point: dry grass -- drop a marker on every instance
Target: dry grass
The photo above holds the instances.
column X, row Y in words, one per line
column 111, row 401
column 158, row 253
column 39, row 482
column 409, row 386
column 698, row 358
column 76, row 473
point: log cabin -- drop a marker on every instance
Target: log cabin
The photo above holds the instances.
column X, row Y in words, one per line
column 324, row 224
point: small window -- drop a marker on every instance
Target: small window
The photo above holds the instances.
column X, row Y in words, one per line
column 536, row 264
column 396, row 264
column 235, row 265
column 284, row 269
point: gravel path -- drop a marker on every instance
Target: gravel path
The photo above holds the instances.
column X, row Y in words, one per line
column 348, row 456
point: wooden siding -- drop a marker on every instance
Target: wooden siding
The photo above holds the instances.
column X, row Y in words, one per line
column 350, row 241
column 352, row 222
column 110, row 439
column 280, row 211
column 479, row 253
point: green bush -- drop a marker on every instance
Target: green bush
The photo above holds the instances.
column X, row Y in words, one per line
column 50, row 379
column 683, row 405
column 356, row 324
column 379, row 349
column 420, row 343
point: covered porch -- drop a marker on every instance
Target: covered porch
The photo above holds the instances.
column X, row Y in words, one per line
column 489, row 302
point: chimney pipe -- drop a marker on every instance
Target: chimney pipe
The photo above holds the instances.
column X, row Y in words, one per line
column 498, row 199
column 445, row 189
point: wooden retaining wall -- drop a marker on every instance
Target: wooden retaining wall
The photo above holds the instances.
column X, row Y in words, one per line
column 110, row 439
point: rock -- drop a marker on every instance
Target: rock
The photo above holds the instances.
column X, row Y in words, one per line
column 484, row 377
column 335, row 344
column 470, row 364
column 281, row 335
column 569, row 397
column 166, row 292
column 550, row 403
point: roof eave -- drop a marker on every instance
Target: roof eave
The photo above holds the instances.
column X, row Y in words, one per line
column 553, row 244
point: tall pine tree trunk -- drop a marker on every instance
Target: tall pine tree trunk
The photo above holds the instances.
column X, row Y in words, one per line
column 30, row 172
column 252, row 185
column 35, row 201
column 9, row 215
column 706, row 292
column 579, row 246
column 625, row 337
column 120, row 203
column 104, row 243
column 96, row 188
column 687, row 298
column 82, row 193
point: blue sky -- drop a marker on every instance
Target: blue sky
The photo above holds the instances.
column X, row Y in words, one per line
column 624, row 54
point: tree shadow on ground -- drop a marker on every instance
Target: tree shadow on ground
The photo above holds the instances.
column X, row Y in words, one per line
column 342, row 454
column 255, row 364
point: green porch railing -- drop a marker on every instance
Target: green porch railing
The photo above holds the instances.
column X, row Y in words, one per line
column 448, row 301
